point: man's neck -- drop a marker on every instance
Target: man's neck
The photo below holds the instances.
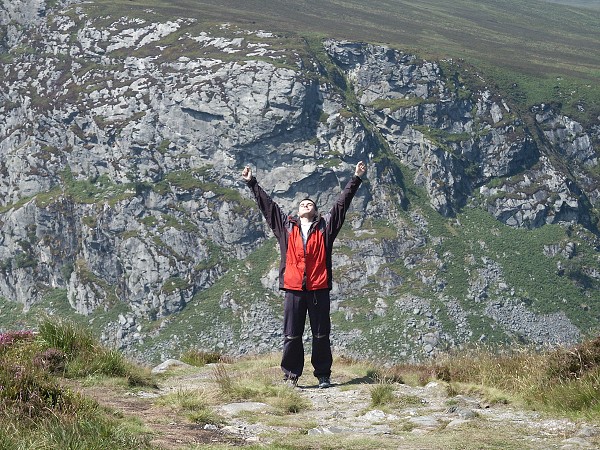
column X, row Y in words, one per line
column 306, row 220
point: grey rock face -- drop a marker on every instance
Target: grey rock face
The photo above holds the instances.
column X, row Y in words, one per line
column 17, row 17
column 552, row 201
column 452, row 143
column 568, row 136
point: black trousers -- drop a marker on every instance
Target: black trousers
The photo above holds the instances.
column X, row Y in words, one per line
column 296, row 305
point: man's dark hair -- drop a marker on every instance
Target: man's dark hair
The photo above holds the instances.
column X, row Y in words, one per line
column 310, row 200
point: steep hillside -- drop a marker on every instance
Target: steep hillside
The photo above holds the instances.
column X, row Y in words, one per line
column 123, row 131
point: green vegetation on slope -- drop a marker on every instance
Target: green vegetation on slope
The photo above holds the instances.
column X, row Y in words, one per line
column 591, row 4
column 472, row 243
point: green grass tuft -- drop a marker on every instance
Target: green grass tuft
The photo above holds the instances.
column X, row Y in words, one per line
column 37, row 411
column 200, row 358
column 382, row 394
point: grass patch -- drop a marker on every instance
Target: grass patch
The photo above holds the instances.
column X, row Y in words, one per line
column 410, row 374
column 96, row 190
column 36, row 411
column 200, row 358
column 83, row 356
column 382, row 394
column 194, row 404
column 174, row 284
column 564, row 380
column 258, row 385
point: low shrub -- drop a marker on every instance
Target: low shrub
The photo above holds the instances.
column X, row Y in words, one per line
column 200, row 358
column 382, row 394
column 51, row 360
column 11, row 337
column 574, row 363
column 29, row 391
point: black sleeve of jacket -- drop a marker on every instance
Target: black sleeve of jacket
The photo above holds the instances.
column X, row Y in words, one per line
column 275, row 217
column 337, row 215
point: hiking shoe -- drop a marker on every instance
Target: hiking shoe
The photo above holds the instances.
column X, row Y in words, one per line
column 290, row 381
column 324, row 382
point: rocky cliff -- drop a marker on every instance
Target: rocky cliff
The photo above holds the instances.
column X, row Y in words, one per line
column 121, row 142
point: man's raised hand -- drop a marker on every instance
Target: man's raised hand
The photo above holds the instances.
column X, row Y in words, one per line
column 360, row 170
column 247, row 173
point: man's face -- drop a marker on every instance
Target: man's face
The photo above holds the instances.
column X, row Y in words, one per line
column 307, row 209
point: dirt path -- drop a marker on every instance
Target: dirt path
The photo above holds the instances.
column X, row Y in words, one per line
column 169, row 429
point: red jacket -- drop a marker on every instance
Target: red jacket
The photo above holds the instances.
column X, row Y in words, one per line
column 305, row 267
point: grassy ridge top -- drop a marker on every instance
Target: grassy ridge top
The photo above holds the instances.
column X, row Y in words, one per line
column 591, row 4
column 534, row 37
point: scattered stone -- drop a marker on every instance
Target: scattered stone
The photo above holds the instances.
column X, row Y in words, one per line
column 436, row 388
column 328, row 430
column 233, row 409
column 233, row 429
column 457, row 423
column 469, row 402
column 463, row 413
column 427, row 422
column 587, row 431
column 144, row 394
column 377, row 415
column 170, row 364
column 576, row 443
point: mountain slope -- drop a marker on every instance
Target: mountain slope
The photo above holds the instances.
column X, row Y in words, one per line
column 124, row 130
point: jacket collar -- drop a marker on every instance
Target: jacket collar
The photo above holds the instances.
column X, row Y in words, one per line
column 296, row 219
